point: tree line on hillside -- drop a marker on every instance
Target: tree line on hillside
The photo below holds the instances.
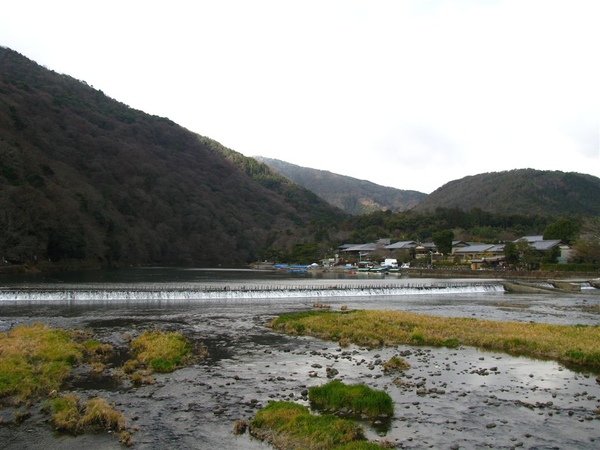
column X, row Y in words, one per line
column 87, row 179
column 474, row 225
column 521, row 191
column 352, row 195
column 445, row 225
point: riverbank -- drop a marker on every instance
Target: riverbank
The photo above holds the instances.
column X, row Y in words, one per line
column 47, row 267
column 506, row 274
column 576, row 346
column 445, row 397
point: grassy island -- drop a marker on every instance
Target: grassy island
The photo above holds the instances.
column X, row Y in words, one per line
column 290, row 426
column 573, row 345
column 160, row 352
column 35, row 360
column 354, row 399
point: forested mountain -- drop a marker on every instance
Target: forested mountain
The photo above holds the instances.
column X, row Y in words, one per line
column 524, row 191
column 350, row 194
column 85, row 177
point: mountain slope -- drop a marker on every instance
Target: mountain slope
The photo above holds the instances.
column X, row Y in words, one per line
column 523, row 191
column 349, row 194
column 85, row 177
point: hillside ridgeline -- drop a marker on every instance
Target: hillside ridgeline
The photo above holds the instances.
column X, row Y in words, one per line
column 85, row 177
column 352, row 195
column 522, row 191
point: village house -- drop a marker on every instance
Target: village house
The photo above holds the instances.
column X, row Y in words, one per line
column 459, row 244
column 425, row 250
column 362, row 251
column 402, row 250
column 479, row 255
column 538, row 243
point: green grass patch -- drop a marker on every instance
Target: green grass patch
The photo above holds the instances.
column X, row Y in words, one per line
column 290, row 426
column 35, row 360
column 570, row 345
column 159, row 351
column 354, row 399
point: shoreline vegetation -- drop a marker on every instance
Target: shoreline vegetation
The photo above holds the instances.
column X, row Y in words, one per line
column 37, row 360
column 291, row 426
column 576, row 346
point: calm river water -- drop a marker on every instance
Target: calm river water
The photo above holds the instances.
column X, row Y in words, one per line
column 460, row 398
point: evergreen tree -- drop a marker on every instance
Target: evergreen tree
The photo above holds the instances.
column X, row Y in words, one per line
column 443, row 241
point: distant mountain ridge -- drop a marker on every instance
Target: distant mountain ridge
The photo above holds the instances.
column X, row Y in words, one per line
column 352, row 195
column 520, row 191
column 85, row 177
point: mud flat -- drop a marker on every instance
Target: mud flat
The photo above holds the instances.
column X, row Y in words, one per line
column 448, row 398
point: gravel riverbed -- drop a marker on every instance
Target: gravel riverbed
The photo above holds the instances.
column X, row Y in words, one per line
column 449, row 398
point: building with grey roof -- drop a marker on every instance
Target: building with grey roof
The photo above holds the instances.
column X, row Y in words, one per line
column 402, row 245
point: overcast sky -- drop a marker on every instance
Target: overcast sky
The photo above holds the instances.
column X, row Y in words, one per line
column 409, row 94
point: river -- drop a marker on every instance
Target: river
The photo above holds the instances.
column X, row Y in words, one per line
column 450, row 398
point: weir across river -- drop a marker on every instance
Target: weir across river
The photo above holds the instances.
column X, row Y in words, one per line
column 239, row 291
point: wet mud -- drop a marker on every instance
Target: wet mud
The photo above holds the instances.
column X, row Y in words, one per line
column 448, row 399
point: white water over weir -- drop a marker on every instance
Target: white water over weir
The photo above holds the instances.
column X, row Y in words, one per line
column 236, row 292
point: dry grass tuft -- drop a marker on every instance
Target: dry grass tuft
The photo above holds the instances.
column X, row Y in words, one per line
column 396, row 364
column 240, row 426
column 65, row 413
column 70, row 415
column 100, row 415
